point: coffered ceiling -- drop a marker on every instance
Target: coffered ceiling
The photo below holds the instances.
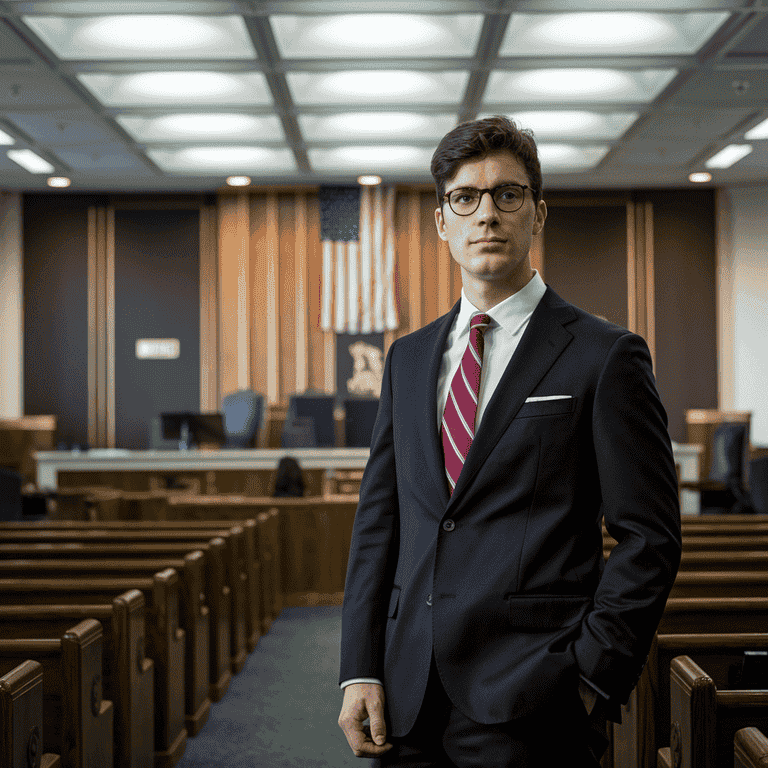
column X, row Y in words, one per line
column 173, row 95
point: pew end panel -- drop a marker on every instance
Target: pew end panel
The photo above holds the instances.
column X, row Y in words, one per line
column 750, row 748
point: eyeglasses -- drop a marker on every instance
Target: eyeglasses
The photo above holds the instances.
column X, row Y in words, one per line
column 506, row 197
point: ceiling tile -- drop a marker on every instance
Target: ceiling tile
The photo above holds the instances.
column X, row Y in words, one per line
column 734, row 89
column 755, row 43
column 658, row 152
column 12, row 49
column 20, row 90
column 376, row 35
column 370, row 159
column 690, row 124
column 353, row 87
column 144, row 36
column 102, row 158
column 573, row 124
column 62, row 128
column 382, row 126
column 225, row 160
column 203, row 127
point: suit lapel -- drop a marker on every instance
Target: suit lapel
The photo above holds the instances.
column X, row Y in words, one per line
column 543, row 342
column 428, row 413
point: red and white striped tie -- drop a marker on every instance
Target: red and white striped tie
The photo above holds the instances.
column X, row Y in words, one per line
column 458, row 427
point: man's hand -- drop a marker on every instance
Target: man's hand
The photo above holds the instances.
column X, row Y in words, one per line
column 361, row 701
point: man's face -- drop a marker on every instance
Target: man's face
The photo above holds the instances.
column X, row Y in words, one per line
column 489, row 244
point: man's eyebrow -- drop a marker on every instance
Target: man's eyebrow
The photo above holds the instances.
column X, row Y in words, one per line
column 500, row 184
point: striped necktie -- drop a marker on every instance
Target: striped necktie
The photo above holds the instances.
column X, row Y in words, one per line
column 458, row 426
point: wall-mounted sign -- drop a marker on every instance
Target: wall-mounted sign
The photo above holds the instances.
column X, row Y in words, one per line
column 157, row 349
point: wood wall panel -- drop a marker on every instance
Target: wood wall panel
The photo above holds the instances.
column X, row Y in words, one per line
column 286, row 290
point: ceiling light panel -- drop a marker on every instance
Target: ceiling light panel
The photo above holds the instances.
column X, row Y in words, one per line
column 144, row 36
column 376, row 35
column 574, row 85
column 203, row 127
column 574, row 124
column 6, row 139
column 178, row 89
column 726, row 157
column 618, row 33
column 258, row 161
column 28, row 160
column 354, row 87
column 371, row 159
column 565, row 158
column 386, row 126
column 760, row 131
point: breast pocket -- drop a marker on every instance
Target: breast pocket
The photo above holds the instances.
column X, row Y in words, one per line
column 546, row 408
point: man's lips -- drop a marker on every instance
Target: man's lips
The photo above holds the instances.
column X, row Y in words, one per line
column 489, row 240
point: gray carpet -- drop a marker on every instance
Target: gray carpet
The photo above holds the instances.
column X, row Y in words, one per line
column 282, row 710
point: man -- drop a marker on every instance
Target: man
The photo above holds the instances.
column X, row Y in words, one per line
column 480, row 625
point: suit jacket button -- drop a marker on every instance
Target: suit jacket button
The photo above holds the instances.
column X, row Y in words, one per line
column 429, row 599
column 449, row 525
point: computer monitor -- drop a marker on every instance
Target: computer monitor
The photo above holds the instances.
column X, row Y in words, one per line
column 191, row 428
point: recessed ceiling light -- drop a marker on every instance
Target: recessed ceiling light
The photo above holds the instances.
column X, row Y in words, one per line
column 569, row 157
column 385, row 126
column 58, row 181
column 728, row 156
column 700, row 177
column 760, row 131
column 5, row 139
column 238, row 181
column 358, row 159
column 560, row 124
column 202, row 127
column 369, row 181
column 223, row 159
column 27, row 159
column 157, row 36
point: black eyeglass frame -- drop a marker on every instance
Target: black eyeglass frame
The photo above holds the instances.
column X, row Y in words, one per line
column 492, row 191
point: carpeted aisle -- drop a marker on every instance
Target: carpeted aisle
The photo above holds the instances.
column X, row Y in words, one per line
column 282, row 710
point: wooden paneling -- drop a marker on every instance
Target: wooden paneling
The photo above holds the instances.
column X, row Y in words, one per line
column 209, row 309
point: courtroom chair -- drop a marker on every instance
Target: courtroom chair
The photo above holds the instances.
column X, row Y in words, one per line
column 359, row 418
column 288, row 478
column 10, row 494
column 321, row 408
column 156, row 440
column 700, row 427
column 723, row 491
column 242, row 418
column 758, row 485
column 298, row 432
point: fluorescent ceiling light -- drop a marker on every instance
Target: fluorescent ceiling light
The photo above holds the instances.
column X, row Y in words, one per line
column 5, row 139
column 202, row 127
column 201, row 160
column 144, row 36
column 574, row 124
column 376, row 34
column 602, row 85
column 760, row 131
column 377, row 87
column 375, row 125
column 26, row 158
column 728, row 156
column 178, row 88
column 561, row 158
column 370, row 158
column 619, row 33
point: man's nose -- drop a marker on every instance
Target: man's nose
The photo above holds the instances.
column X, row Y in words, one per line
column 486, row 209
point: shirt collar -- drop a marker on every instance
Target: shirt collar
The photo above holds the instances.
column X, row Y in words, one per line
column 510, row 312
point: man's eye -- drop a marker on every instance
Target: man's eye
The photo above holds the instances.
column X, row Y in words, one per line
column 510, row 193
column 463, row 197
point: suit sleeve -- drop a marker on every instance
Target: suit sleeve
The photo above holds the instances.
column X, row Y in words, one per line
column 638, row 486
column 373, row 549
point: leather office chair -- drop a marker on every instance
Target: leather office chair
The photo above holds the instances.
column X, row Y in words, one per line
column 758, row 485
column 242, row 418
column 288, row 478
column 298, row 432
column 723, row 491
column 320, row 407
column 360, row 416
column 10, row 494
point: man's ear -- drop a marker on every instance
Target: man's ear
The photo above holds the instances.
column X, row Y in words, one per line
column 440, row 223
column 541, row 216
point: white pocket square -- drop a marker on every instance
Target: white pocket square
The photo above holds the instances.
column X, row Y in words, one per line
column 548, row 397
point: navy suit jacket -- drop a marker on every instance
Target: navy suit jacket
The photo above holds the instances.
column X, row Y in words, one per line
column 506, row 578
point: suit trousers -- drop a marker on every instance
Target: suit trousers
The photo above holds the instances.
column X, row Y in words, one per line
column 443, row 737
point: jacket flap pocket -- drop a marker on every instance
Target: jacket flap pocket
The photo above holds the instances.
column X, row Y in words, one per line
column 539, row 613
column 394, row 599
column 546, row 407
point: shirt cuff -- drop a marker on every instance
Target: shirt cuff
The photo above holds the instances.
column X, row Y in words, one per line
column 360, row 680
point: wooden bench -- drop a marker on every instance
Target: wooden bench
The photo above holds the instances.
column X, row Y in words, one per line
column 21, row 718
column 750, row 748
column 705, row 716
column 240, row 537
column 128, row 675
column 165, row 644
column 206, row 647
column 714, row 615
column 645, row 720
column 740, row 542
column 77, row 721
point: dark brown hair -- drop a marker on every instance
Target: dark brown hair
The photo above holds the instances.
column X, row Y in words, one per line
column 474, row 140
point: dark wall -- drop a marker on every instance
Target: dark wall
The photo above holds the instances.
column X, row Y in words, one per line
column 56, row 311
column 685, row 285
column 585, row 258
column 157, row 296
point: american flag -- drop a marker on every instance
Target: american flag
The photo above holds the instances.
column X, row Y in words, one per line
column 358, row 280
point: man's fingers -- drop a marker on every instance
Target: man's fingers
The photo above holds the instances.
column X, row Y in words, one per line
column 361, row 702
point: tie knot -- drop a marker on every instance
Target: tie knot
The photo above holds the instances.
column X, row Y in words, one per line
column 480, row 321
